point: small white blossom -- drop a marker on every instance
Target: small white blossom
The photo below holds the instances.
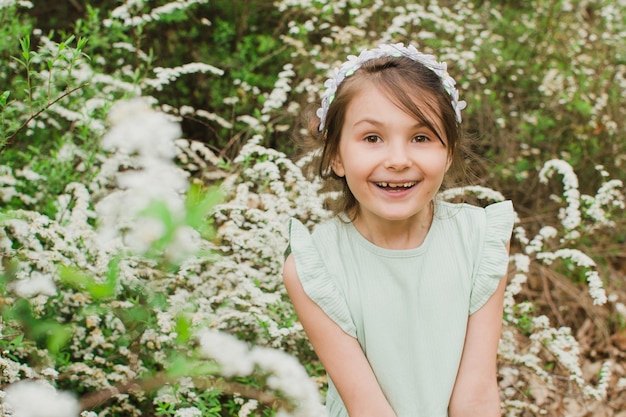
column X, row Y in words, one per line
column 28, row 174
column 247, row 408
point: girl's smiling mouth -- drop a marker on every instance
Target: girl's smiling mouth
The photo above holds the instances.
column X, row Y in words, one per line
column 396, row 185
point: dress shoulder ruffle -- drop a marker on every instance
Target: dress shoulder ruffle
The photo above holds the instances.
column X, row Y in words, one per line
column 317, row 281
column 494, row 260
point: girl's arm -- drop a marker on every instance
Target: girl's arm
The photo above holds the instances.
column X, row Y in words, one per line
column 476, row 388
column 340, row 353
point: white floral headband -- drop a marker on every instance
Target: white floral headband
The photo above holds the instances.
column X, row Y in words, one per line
column 394, row 50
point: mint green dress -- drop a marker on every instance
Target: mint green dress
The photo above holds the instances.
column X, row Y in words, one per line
column 407, row 308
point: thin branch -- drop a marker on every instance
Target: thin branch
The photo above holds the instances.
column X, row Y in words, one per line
column 50, row 104
column 95, row 399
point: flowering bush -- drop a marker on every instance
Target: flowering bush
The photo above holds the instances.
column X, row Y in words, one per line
column 146, row 197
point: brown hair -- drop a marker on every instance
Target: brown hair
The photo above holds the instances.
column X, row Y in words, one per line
column 414, row 88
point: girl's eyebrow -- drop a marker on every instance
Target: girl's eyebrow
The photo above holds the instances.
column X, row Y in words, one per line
column 378, row 123
column 370, row 121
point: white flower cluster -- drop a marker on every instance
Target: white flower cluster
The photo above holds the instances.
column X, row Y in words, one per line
column 46, row 243
column 388, row 50
column 570, row 215
column 561, row 86
column 188, row 412
column 286, row 375
column 545, row 248
column 165, row 76
column 580, row 259
column 203, row 114
column 598, row 208
column 247, row 408
column 5, row 4
column 246, row 282
column 564, row 346
column 13, row 183
column 483, row 193
column 123, row 13
column 38, row 399
column 12, row 371
column 537, row 243
column 509, row 349
column 522, row 264
column 240, row 291
column 35, row 284
column 278, row 97
column 147, row 138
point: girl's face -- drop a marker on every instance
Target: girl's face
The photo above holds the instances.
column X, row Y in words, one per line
column 393, row 164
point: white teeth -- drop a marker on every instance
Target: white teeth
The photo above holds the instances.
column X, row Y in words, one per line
column 396, row 185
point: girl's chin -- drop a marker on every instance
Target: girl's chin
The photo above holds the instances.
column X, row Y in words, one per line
column 395, row 216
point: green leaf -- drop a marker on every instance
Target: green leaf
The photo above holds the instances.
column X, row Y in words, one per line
column 25, row 44
column 112, row 274
column 134, row 315
column 22, row 63
column 64, row 44
column 199, row 204
column 81, row 43
column 182, row 366
column 178, row 366
column 4, row 97
column 58, row 336
column 183, row 329
column 83, row 281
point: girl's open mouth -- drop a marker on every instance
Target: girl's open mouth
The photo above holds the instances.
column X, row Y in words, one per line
column 396, row 186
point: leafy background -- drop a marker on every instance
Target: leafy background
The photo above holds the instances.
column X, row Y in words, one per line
column 118, row 287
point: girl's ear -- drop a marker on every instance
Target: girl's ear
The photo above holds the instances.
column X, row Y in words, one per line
column 337, row 166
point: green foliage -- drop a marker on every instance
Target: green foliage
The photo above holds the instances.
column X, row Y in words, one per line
column 44, row 81
column 209, row 402
column 523, row 318
column 41, row 85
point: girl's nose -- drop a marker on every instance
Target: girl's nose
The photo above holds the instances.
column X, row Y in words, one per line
column 397, row 157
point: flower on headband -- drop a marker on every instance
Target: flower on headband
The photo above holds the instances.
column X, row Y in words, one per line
column 393, row 50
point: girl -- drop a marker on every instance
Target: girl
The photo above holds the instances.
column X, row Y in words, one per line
column 400, row 294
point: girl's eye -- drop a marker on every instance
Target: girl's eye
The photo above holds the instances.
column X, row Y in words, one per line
column 372, row 139
column 420, row 138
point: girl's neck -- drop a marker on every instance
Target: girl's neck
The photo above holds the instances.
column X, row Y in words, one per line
column 396, row 234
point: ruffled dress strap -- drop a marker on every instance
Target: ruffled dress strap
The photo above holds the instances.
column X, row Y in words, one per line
column 494, row 259
column 316, row 280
